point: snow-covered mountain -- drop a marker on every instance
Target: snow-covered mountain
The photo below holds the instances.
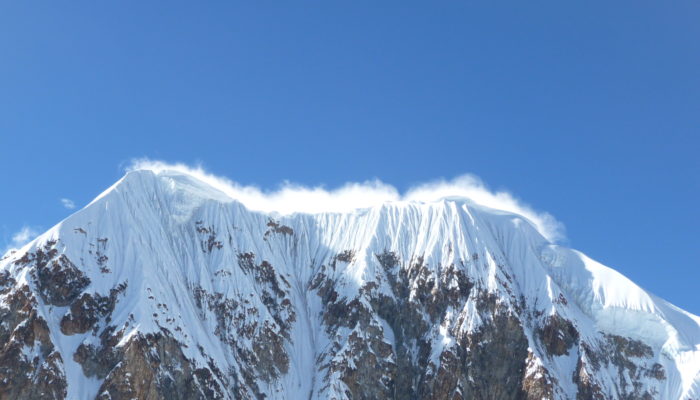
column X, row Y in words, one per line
column 166, row 288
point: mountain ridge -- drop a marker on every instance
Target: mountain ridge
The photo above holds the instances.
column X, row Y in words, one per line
column 326, row 305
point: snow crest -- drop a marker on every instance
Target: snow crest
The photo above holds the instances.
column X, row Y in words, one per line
column 165, row 231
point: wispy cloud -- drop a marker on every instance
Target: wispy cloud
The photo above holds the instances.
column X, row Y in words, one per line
column 20, row 238
column 290, row 198
column 68, row 203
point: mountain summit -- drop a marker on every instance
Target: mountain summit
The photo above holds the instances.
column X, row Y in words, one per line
column 165, row 287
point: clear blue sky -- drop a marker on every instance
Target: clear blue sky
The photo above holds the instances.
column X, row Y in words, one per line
column 587, row 110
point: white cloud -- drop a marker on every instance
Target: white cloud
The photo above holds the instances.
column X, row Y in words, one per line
column 290, row 198
column 20, row 238
column 68, row 203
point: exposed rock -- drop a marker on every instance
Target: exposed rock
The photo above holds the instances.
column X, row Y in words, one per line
column 276, row 227
column 588, row 389
column 558, row 335
column 537, row 382
column 85, row 312
column 153, row 367
column 632, row 359
column 208, row 240
column 98, row 361
column 30, row 368
column 58, row 280
column 488, row 363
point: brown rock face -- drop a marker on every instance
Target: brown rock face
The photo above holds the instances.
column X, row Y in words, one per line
column 152, row 367
column 84, row 313
column 88, row 309
column 537, row 383
column 98, row 360
column 30, row 368
column 632, row 360
column 486, row 364
column 558, row 335
column 490, row 363
column 58, row 280
column 588, row 389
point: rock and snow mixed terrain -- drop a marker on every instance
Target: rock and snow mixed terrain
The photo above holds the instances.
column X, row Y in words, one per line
column 165, row 287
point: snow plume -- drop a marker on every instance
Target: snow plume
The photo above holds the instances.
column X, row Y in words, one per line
column 290, row 198
column 471, row 187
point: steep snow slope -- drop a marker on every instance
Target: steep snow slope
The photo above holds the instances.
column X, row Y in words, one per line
column 164, row 286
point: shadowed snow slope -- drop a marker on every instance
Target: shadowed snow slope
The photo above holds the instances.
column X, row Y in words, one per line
column 165, row 286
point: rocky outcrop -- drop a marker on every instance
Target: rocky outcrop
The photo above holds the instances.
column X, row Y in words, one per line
column 558, row 335
column 632, row 360
column 153, row 367
column 537, row 381
column 57, row 279
column 88, row 309
column 97, row 360
column 30, row 366
column 488, row 363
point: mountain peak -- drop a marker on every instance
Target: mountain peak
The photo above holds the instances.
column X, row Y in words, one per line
column 165, row 276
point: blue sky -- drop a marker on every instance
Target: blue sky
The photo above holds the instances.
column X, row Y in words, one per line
column 590, row 112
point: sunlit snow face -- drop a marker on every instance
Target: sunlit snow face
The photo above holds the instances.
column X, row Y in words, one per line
column 291, row 198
